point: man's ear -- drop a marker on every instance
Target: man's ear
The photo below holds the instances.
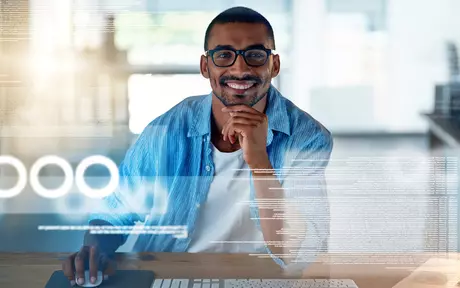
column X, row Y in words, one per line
column 204, row 67
column 276, row 65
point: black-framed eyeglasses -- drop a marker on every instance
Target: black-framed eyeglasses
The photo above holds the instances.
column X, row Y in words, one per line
column 226, row 57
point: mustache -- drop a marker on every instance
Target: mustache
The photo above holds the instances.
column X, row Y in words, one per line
column 223, row 79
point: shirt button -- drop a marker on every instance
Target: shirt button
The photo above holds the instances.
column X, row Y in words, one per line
column 198, row 205
column 208, row 168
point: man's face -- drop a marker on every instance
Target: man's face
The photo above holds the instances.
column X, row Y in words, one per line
column 239, row 83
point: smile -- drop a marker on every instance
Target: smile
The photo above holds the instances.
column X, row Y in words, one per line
column 240, row 86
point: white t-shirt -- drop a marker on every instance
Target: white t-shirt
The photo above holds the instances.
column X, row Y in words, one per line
column 225, row 215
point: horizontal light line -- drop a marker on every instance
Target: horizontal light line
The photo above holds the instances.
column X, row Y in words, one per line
column 56, row 131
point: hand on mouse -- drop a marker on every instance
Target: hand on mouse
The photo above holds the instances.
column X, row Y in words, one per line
column 88, row 258
column 95, row 255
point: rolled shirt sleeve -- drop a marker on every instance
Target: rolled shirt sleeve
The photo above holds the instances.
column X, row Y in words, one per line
column 126, row 205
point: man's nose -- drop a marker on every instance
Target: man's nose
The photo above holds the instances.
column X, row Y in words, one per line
column 240, row 65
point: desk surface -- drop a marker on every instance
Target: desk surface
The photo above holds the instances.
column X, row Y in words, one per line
column 34, row 269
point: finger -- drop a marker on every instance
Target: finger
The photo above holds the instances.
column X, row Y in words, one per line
column 239, row 128
column 240, row 137
column 232, row 133
column 68, row 268
column 80, row 265
column 225, row 129
column 93, row 264
column 228, row 133
column 231, row 136
column 258, row 117
column 242, row 129
column 237, row 120
column 224, row 132
column 108, row 266
column 241, row 107
column 245, row 121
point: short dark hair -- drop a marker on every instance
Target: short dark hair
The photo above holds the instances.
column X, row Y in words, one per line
column 239, row 14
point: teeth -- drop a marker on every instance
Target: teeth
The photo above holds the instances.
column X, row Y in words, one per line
column 238, row 86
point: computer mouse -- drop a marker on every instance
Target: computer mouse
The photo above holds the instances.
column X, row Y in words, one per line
column 87, row 283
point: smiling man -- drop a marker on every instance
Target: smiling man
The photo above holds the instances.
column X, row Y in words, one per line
column 242, row 168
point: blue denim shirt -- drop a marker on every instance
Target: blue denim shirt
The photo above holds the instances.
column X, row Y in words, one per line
column 167, row 172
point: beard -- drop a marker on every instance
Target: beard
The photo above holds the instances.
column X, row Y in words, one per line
column 231, row 99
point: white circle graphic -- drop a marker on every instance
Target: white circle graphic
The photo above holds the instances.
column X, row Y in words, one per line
column 51, row 193
column 101, row 192
column 22, row 176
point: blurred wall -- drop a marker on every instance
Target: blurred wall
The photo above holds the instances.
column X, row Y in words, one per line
column 397, row 60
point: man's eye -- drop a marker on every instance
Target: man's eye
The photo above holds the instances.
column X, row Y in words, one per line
column 256, row 55
column 224, row 55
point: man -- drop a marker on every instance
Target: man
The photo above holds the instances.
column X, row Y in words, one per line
column 213, row 154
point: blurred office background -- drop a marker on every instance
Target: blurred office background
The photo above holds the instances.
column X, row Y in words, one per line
column 84, row 77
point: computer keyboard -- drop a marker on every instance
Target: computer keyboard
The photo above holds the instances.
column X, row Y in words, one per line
column 253, row 283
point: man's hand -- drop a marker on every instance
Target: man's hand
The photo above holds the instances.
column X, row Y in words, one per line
column 250, row 127
column 90, row 257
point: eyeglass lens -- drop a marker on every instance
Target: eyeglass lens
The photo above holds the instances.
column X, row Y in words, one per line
column 254, row 57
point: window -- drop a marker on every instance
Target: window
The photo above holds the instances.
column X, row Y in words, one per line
column 167, row 32
column 352, row 51
column 152, row 95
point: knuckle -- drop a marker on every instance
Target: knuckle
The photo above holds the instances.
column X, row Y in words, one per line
column 78, row 259
column 93, row 249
